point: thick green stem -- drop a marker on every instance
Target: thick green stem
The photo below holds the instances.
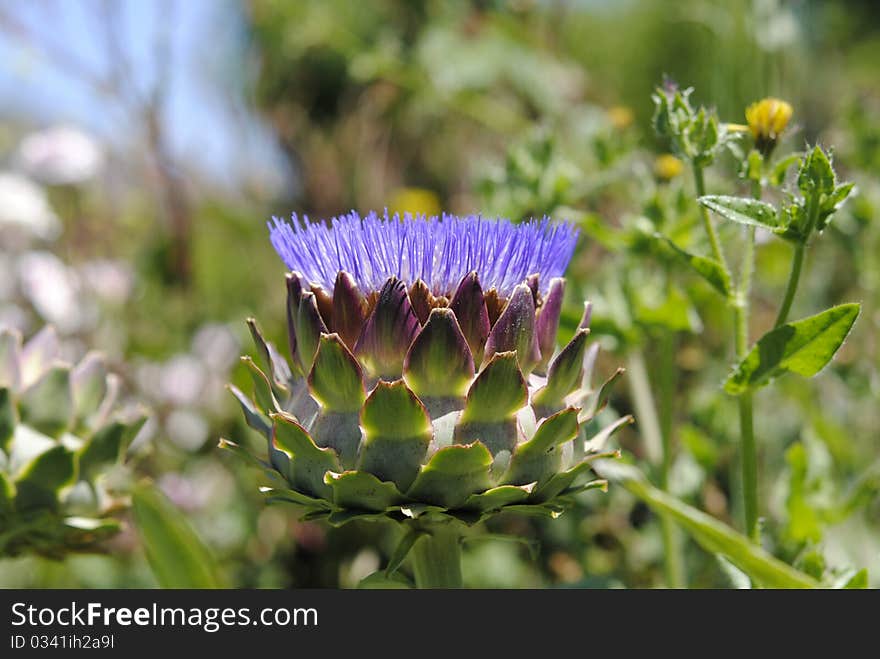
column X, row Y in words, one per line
column 436, row 558
column 700, row 185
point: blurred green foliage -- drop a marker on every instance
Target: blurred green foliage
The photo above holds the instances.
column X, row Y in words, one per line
column 526, row 108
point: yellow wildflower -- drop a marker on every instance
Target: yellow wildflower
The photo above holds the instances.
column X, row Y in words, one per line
column 767, row 119
column 667, row 167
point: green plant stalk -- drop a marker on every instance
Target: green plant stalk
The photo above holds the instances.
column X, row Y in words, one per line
column 749, row 455
column 436, row 558
column 797, row 263
column 700, row 185
column 740, row 303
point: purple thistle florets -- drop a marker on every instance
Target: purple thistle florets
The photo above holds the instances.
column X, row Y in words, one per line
column 438, row 250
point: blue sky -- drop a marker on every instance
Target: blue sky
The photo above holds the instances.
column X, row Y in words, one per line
column 211, row 126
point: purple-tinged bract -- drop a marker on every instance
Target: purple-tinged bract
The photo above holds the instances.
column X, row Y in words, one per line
column 438, row 250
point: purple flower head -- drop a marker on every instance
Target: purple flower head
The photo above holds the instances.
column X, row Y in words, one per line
column 438, row 250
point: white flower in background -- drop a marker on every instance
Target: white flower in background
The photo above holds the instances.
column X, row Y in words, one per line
column 51, row 287
column 25, row 206
column 182, row 380
column 187, row 429
column 60, row 155
column 216, row 345
column 112, row 281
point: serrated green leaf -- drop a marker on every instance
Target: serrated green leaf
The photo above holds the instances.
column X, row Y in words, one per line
column 176, row 555
column 709, row 269
column 804, row 347
column 816, row 174
column 713, row 535
column 743, row 210
column 452, row 475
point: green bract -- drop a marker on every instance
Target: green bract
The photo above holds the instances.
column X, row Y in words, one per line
column 59, row 434
column 405, row 405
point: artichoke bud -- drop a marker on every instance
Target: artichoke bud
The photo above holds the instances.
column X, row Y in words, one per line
column 426, row 378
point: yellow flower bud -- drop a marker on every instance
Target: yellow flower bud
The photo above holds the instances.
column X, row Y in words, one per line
column 767, row 119
column 667, row 167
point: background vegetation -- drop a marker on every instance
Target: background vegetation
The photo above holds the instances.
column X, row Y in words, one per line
column 146, row 238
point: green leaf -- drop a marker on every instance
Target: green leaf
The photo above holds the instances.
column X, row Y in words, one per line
column 402, row 550
column 107, row 445
column 40, row 481
column 711, row 534
column 777, row 176
column 178, row 558
column 804, row 347
column 712, row 271
column 48, row 404
column 743, row 210
column 816, row 175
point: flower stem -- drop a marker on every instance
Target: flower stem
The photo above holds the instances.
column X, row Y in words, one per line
column 797, row 262
column 700, row 184
column 436, row 558
column 749, row 457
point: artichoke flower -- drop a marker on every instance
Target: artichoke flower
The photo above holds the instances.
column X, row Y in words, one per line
column 425, row 384
column 60, row 433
